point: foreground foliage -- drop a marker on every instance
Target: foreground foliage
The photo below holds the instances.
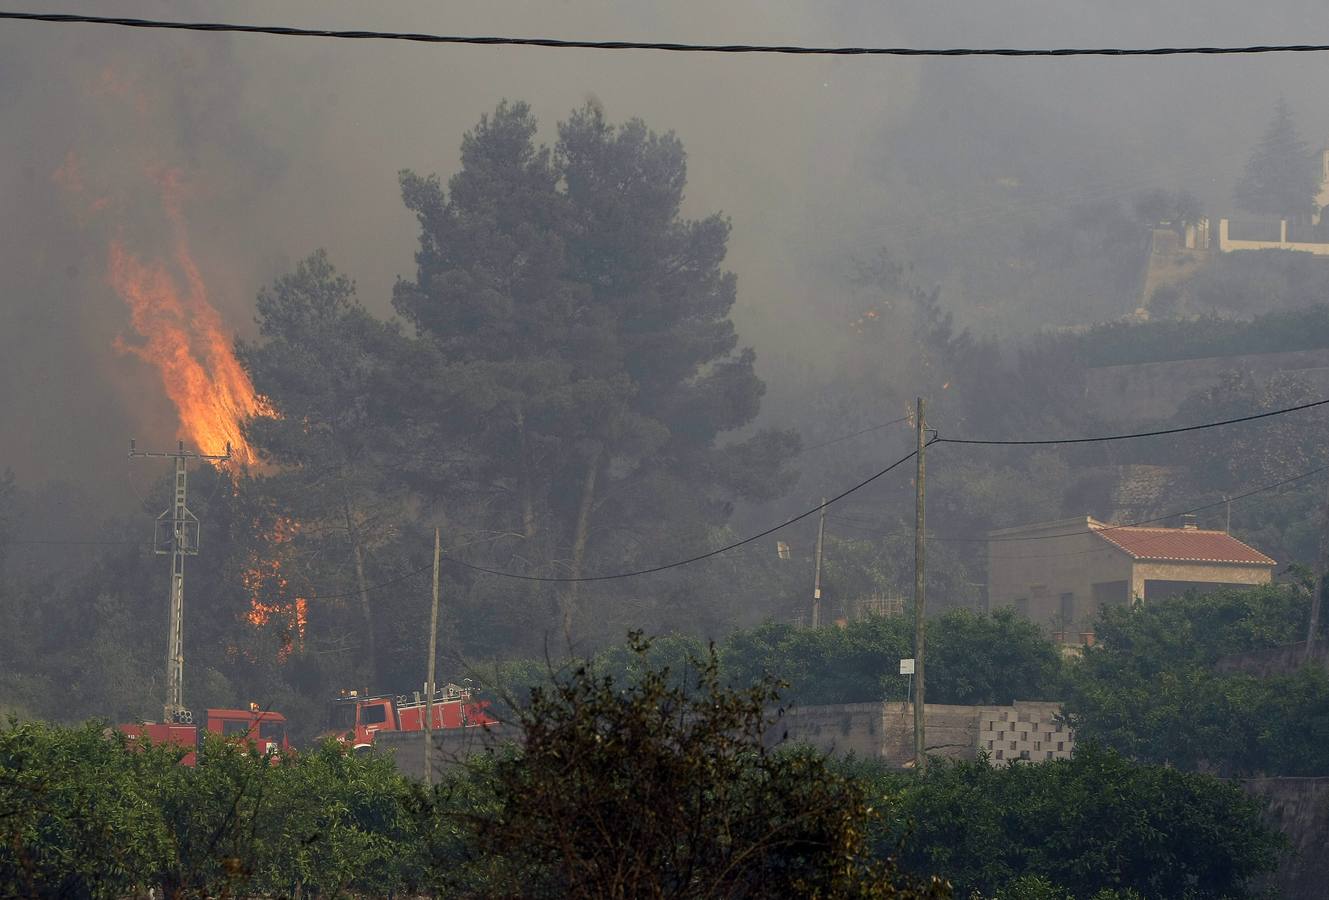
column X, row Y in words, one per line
column 664, row 786
column 83, row 816
column 620, row 789
column 1096, row 825
column 1151, row 689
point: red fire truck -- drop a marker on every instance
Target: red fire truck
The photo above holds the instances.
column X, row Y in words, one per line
column 265, row 730
column 356, row 718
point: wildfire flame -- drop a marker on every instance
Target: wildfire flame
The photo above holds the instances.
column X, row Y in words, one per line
column 292, row 614
column 180, row 333
column 183, row 337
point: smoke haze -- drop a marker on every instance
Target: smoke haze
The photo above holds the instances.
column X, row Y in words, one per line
column 287, row 145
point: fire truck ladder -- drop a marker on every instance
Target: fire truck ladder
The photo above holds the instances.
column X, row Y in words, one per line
column 176, row 533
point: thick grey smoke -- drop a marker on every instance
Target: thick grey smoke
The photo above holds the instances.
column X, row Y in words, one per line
column 288, row 145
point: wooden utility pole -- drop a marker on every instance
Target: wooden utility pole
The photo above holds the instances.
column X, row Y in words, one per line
column 429, row 683
column 920, row 547
column 1321, row 551
column 816, row 579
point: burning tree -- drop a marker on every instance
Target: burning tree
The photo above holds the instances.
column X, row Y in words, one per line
column 325, row 365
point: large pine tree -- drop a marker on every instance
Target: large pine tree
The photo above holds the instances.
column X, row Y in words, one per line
column 583, row 324
column 1282, row 178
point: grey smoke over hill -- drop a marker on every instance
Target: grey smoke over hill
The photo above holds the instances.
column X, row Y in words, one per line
column 288, row 145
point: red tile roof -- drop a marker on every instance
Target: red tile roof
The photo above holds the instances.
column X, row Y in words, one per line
column 1182, row 545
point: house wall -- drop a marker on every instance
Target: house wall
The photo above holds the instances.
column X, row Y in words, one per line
column 1039, row 572
column 1033, row 575
column 1196, row 572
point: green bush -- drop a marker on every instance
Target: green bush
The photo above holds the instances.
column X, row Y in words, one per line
column 1096, row 825
column 1150, row 688
column 78, row 815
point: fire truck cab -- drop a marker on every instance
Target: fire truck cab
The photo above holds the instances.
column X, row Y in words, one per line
column 357, row 718
column 263, row 729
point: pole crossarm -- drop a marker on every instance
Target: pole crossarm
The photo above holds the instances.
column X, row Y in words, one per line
column 179, row 453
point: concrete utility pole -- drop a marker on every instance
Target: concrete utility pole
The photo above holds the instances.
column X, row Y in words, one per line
column 920, row 545
column 176, row 533
column 433, row 654
column 816, row 579
column 1321, row 551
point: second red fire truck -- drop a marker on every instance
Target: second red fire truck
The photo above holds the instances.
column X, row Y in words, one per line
column 357, row 718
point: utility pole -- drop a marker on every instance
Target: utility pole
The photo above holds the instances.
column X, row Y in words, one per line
column 920, row 545
column 1321, row 551
column 176, row 533
column 816, row 580
column 429, row 684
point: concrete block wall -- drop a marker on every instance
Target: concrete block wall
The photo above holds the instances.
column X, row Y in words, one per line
column 1299, row 807
column 881, row 731
column 1027, row 731
column 885, row 731
column 1283, row 660
column 450, row 747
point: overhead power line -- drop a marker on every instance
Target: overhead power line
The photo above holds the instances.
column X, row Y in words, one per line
column 68, row 542
column 880, row 528
column 1163, row 518
column 617, row 575
column 668, row 46
column 1131, row 436
column 316, row 595
column 701, row 556
column 935, row 439
column 854, row 434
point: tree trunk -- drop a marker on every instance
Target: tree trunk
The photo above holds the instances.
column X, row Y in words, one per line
column 582, row 535
column 370, row 655
column 524, row 488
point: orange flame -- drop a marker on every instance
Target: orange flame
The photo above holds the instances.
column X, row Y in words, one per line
column 182, row 335
column 292, row 614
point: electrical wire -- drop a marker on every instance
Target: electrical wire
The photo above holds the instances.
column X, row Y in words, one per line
column 845, row 437
column 878, row 527
column 318, row 595
column 1142, row 522
column 70, row 543
column 1139, row 434
column 934, row 439
column 620, row 575
column 315, row 595
column 693, row 559
column 674, row 47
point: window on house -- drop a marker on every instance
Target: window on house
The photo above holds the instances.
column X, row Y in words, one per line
column 1067, row 609
column 1022, row 606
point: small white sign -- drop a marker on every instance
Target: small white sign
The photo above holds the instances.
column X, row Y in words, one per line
column 906, row 667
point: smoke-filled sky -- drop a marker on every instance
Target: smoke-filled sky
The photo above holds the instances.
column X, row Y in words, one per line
column 286, row 145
